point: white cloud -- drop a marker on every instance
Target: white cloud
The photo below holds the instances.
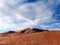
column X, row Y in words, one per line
column 1, row 3
column 33, row 13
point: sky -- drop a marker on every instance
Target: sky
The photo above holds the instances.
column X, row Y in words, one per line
column 21, row 14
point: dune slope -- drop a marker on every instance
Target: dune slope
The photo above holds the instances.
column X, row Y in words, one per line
column 30, row 36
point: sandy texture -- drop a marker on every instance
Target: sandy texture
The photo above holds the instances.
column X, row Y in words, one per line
column 30, row 36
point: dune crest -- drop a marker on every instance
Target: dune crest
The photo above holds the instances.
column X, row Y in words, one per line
column 30, row 36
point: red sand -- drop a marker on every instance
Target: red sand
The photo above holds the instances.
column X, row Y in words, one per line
column 30, row 37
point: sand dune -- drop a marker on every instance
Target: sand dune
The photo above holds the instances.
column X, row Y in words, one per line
column 30, row 36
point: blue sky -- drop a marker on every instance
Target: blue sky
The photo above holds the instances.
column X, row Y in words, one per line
column 21, row 14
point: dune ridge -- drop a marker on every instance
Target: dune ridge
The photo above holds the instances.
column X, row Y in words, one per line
column 30, row 36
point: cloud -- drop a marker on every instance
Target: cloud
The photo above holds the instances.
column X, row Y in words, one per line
column 20, row 14
column 54, row 26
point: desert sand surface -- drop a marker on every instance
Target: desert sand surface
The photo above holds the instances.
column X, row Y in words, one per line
column 30, row 36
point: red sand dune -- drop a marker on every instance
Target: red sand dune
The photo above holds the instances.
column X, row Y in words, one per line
column 30, row 36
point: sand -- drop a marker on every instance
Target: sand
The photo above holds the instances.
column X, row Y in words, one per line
column 30, row 36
